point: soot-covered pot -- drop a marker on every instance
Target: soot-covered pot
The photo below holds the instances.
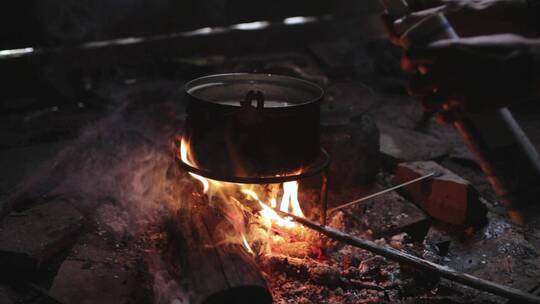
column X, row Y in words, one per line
column 252, row 125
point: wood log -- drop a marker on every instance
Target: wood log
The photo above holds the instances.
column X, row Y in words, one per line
column 214, row 273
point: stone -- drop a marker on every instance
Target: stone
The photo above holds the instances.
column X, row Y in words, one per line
column 97, row 271
column 460, row 152
column 390, row 214
column 342, row 56
column 4, row 297
column 500, row 252
column 439, row 240
column 350, row 136
column 351, row 97
column 353, row 145
column 77, row 282
column 31, row 238
column 18, row 163
column 446, row 197
column 407, row 145
column 399, row 111
column 44, row 125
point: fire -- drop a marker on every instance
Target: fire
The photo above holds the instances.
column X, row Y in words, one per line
column 267, row 214
column 246, row 244
column 289, row 204
column 290, row 199
column 184, row 157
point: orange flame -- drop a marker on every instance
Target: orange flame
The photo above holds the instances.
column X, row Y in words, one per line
column 267, row 214
column 184, row 157
column 290, row 199
column 246, row 244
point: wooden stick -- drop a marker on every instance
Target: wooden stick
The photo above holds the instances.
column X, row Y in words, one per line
column 405, row 258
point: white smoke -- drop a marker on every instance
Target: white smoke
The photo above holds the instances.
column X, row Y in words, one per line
column 121, row 173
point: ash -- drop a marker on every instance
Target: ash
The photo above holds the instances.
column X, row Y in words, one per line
column 337, row 273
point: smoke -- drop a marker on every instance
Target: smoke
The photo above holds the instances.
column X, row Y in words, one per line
column 165, row 287
column 122, row 174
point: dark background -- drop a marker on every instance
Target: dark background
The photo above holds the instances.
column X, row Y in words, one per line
column 61, row 71
column 50, row 23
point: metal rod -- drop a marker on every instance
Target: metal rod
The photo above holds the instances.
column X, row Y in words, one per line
column 324, row 195
column 312, row 170
column 382, row 192
column 405, row 258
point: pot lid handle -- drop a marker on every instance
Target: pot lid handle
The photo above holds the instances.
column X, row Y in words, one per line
column 250, row 96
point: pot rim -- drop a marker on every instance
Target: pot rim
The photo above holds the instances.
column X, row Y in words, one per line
column 189, row 86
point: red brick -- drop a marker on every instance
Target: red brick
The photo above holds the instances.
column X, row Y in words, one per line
column 445, row 197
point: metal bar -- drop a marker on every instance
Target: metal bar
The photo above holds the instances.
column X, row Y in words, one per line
column 383, row 192
column 324, row 195
column 405, row 258
column 315, row 169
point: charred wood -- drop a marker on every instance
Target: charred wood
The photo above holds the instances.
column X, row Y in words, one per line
column 216, row 273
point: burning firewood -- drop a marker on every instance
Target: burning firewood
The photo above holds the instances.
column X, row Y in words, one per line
column 215, row 273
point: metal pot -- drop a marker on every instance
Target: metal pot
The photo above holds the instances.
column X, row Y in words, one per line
column 252, row 125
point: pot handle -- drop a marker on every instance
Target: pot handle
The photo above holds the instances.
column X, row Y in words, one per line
column 250, row 96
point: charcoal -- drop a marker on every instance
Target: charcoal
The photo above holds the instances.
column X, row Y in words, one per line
column 441, row 241
column 327, row 275
column 280, row 263
column 369, row 269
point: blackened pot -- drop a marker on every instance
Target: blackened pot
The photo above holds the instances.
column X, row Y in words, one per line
column 252, row 125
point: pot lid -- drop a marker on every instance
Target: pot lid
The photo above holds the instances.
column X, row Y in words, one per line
column 277, row 91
